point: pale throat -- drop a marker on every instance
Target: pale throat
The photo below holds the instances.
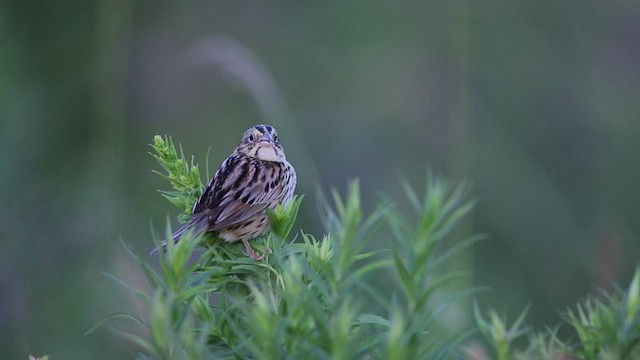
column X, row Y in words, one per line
column 267, row 153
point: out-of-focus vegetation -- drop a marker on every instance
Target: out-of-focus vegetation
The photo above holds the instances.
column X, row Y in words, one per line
column 534, row 103
column 320, row 299
column 604, row 327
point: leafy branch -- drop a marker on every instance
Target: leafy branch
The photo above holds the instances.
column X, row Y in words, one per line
column 311, row 297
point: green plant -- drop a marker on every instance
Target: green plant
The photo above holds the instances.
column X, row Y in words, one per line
column 606, row 328
column 321, row 298
column 311, row 298
column 183, row 175
column 500, row 335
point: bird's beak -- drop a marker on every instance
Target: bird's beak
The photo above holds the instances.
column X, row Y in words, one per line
column 267, row 140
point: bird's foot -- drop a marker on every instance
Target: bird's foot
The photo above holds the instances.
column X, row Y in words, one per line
column 252, row 254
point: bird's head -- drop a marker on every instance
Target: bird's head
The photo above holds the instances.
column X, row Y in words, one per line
column 262, row 142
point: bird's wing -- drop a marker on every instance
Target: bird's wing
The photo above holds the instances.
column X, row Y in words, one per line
column 237, row 192
column 234, row 212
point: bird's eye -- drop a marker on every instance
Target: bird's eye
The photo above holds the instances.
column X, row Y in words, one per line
column 251, row 137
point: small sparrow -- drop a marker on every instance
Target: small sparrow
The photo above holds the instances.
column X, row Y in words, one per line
column 255, row 177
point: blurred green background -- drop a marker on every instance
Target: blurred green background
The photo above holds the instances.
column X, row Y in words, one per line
column 535, row 103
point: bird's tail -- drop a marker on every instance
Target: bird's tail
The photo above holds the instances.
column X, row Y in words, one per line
column 196, row 226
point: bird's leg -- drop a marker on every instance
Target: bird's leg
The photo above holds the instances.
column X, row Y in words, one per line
column 252, row 254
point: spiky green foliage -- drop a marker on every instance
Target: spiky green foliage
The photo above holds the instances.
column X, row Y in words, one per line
column 416, row 255
column 311, row 298
column 322, row 298
column 183, row 175
column 500, row 335
column 607, row 327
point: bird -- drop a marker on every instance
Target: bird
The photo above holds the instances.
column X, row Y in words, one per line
column 254, row 178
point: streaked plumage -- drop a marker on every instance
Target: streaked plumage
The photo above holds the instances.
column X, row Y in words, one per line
column 256, row 176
